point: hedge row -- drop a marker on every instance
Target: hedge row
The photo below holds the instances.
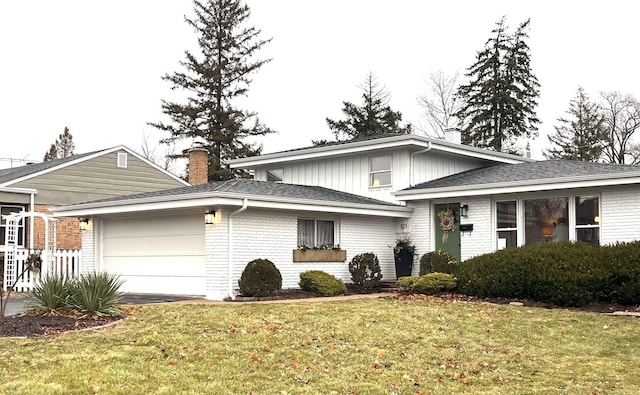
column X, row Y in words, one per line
column 565, row 274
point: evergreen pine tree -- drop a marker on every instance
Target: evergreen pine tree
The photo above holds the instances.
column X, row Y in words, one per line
column 581, row 137
column 62, row 147
column 500, row 99
column 213, row 80
column 373, row 118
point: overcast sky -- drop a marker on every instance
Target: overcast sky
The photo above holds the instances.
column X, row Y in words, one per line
column 95, row 67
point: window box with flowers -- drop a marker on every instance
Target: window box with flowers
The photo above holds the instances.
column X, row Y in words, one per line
column 319, row 254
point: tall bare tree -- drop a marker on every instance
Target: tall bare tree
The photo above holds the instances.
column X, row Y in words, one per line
column 440, row 103
column 163, row 159
column 622, row 120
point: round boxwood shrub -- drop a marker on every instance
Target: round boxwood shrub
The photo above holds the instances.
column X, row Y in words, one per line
column 365, row 270
column 437, row 262
column 260, row 278
column 322, row 283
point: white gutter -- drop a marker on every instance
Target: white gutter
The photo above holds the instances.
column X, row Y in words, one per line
column 412, row 176
column 245, row 203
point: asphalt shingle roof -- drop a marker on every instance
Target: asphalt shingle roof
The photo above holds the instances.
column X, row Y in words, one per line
column 244, row 187
column 529, row 171
column 14, row 173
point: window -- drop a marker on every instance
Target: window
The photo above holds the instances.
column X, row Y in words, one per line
column 275, row 175
column 316, row 233
column 588, row 219
column 546, row 220
column 380, row 171
column 6, row 209
column 507, row 225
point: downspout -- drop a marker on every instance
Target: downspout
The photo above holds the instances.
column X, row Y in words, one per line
column 245, row 202
column 411, row 164
column 32, row 203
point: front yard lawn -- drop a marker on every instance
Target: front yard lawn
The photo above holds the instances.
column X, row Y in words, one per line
column 367, row 346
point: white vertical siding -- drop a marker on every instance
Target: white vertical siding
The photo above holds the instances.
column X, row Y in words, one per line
column 620, row 215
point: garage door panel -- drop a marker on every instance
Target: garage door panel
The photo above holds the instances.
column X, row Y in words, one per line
column 160, row 254
column 155, row 266
column 171, row 285
column 154, row 226
column 156, row 245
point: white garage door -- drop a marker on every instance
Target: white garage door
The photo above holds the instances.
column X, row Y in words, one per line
column 156, row 254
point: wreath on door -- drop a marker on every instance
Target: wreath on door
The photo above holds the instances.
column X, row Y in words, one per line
column 447, row 223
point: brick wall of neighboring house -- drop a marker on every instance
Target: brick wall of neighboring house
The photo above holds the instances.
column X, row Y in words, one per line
column 68, row 236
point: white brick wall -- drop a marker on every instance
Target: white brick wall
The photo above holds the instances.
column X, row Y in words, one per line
column 420, row 226
column 481, row 239
column 273, row 235
column 88, row 259
column 620, row 217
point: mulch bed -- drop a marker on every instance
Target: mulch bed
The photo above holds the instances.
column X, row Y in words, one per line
column 34, row 325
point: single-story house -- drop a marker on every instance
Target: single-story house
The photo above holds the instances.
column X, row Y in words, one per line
column 40, row 187
column 352, row 198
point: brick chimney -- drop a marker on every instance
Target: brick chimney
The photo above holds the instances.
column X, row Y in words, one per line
column 198, row 166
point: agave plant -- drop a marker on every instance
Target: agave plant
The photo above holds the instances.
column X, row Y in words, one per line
column 51, row 292
column 96, row 294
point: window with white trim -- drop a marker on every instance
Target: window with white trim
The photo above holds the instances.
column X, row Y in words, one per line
column 275, row 175
column 587, row 210
column 380, row 171
column 6, row 209
column 507, row 224
column 316, row 233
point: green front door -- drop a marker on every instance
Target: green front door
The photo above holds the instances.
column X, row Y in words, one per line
column 447, row 222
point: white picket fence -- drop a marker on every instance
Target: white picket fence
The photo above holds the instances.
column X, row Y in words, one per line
column 63, row 262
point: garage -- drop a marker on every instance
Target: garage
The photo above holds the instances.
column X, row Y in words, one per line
column 160, row 254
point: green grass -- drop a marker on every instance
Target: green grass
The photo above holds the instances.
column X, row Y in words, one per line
column 351, row 347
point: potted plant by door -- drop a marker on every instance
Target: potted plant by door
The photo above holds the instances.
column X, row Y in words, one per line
column 403, row 253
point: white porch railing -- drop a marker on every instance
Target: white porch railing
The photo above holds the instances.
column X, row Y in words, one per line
column 64, row 262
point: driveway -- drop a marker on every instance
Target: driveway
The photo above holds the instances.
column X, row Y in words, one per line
column 19, row 302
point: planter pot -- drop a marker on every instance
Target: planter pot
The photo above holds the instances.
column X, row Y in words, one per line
column 319, row 255
column 404, row 262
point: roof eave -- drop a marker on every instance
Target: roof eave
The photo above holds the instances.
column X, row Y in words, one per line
column 228, row 199
column 379, row 144
column 516, row 187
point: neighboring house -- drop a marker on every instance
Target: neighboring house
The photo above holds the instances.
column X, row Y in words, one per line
column 359, row 197
column 43, row 186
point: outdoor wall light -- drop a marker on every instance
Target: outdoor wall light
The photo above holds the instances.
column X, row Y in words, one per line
column 464, row 210
column 210, row 217
column 85, row 223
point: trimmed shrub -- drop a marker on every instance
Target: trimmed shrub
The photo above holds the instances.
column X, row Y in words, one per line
column 428, row 284
column 260, row 278
column 563, row 273
column 406, row 283
column 51, row 292
column 322, row 283
column 365, row 270
column 437, row 262
column 96, row 294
